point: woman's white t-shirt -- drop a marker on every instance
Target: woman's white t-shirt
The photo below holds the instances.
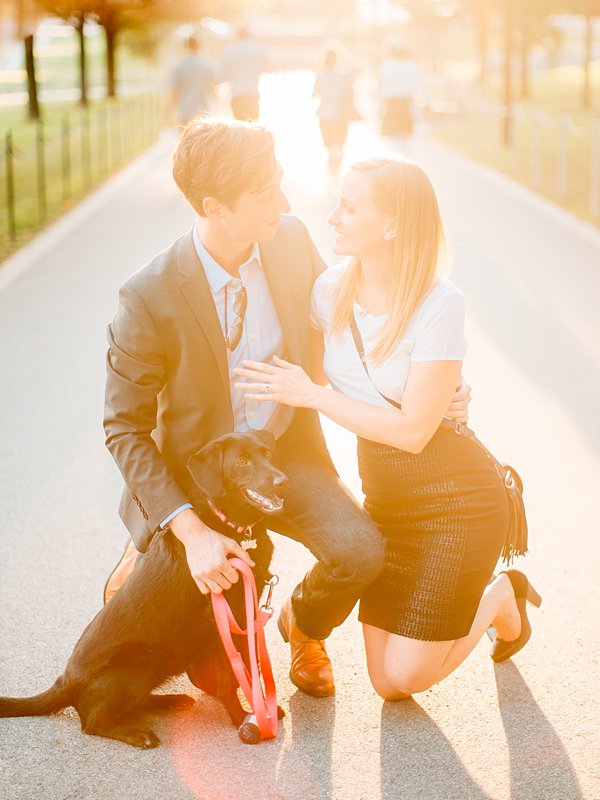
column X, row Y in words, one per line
column 435, row 332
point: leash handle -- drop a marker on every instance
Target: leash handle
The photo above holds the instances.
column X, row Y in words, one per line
column 263, row 704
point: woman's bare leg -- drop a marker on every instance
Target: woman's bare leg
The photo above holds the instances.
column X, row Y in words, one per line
column 375, row 647
column 399, row 666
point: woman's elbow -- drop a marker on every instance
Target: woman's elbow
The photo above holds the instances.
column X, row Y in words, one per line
column 415, row 442
column 416, row 446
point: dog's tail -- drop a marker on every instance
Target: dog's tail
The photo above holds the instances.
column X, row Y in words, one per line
column 53, row 699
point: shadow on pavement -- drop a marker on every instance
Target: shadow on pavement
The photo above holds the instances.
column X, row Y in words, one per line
column 312, row 723
column 210, row 761
column 534, row 335
column 539, row 764
column 412, row 746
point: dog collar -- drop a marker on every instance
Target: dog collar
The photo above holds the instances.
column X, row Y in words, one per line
column 247, row 543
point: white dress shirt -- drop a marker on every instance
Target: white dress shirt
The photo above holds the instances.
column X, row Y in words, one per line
column 262, row 338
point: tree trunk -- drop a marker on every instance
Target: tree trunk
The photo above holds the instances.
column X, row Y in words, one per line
column 587, row 57
column 34, row 108
column 507, row 122
column 83, row 98
column 483, row 22
column 524, row 62
column 111, row 35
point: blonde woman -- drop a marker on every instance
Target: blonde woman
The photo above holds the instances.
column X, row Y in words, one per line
column 434, row 494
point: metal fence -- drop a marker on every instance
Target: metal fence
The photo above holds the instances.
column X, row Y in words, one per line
column 556, row 154
column 47, row 166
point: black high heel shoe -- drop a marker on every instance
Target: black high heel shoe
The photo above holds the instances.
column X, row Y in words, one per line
column 524, row 593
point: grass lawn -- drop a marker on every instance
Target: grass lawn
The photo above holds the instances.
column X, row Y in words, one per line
column 56, row 163
column 552, row 122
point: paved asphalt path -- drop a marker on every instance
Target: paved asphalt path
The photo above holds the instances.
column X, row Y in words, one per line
column 527, row 729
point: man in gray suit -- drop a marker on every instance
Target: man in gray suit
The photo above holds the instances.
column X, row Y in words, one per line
column 236, row 287
column 180, row 330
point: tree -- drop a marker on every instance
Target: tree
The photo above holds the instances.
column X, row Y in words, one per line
column 26, row 16
column 75, row 13
column 117, row 15
column 509, row 8
column 430, row 18
column 532, row 25
column 481, row 11
column 589, row 9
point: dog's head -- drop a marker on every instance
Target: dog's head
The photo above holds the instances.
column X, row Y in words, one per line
column 238, row 474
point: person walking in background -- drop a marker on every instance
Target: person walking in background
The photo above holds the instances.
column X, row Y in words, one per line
column 192, row 83
column 334, row 88
column 392, row 349
column 399, row 82
column 242, row 63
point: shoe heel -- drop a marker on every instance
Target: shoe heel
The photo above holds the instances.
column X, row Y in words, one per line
column 533, row 597
column 284, row 635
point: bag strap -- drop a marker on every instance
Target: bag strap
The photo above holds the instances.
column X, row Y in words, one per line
column 263, row 704
column 361, row 352
column 516, row 540
column 457, row 427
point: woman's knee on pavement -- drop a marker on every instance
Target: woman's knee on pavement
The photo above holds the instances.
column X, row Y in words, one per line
column 407, row 679
column 384, row 688
column 388, row 692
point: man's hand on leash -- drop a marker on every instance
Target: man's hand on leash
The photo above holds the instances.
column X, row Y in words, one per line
column 206, row 552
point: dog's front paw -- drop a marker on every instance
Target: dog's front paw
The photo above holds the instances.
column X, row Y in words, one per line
column 236, row 714
column 145, row 740
column 170, row 702
column 182, row 701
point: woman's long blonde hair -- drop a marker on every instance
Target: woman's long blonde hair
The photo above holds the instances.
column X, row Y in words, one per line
column 402, row 190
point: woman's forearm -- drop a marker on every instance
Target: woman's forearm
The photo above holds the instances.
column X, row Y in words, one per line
column 425, row 399
column 389, row 426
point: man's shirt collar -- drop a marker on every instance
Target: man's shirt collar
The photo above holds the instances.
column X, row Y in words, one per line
column 218, row 277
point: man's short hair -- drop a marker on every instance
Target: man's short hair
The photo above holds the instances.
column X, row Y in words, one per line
column 222, row 159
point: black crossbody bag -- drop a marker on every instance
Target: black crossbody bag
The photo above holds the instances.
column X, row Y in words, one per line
column 515, row 543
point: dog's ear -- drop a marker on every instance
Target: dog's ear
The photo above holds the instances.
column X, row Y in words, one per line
column 206, row 468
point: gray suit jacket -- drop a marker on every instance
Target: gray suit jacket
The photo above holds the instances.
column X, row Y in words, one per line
column 167, row 388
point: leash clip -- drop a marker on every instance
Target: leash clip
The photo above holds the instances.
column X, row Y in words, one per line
column 266, row 607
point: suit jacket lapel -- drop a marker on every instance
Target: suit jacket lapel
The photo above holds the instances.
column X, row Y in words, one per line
column 196, row 290
column 276, row 265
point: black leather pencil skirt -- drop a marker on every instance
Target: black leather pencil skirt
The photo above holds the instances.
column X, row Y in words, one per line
column 444, row 515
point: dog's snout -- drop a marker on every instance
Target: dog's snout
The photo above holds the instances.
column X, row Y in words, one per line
column 281, row 482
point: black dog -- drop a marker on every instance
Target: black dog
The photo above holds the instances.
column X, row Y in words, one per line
column 159, row 624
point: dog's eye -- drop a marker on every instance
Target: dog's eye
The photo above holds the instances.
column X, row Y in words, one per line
column 242, row 462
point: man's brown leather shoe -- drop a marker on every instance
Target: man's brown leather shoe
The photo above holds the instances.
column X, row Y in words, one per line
column 311, row 668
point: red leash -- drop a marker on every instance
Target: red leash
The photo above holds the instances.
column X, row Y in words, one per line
column 264, row 705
